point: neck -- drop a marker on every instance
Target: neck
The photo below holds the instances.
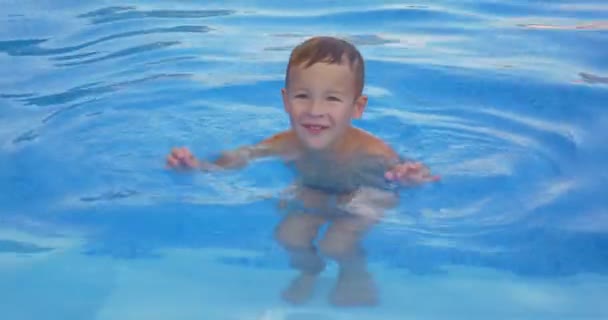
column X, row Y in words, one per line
column 337, row 149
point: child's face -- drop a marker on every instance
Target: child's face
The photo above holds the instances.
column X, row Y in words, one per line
column 321, row 101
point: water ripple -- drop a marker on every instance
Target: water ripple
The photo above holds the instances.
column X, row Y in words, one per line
column 27, row 136
column 111, row 14
column 481, row 91
column 597, row 25
column 32, row 47
column 499, row 152
column 21, row 247
column 356, row 39
column 75, row 56
column 125, row 52
column 92, row 90
column 109, row 196
column 593, row 79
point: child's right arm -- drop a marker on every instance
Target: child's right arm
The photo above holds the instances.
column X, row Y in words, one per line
column 183, row 159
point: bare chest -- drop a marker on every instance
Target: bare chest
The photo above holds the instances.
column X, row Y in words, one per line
column 340, row 176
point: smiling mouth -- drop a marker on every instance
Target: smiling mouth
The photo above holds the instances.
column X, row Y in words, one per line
column 314, row 128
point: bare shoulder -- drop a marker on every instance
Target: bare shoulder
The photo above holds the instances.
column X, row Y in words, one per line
column 373, row 145
column 279, row 140
column 281, row 143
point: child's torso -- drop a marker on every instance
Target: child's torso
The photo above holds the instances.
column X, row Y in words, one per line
column 357, row 163
column 341, row 176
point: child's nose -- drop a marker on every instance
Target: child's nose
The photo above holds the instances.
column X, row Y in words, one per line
column 316, row 108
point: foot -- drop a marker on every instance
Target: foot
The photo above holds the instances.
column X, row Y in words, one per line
column 354, row 290
column 300, row 289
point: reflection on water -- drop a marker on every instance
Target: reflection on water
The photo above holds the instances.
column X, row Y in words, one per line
column 602, row 25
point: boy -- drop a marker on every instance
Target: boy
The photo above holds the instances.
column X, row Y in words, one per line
column 343, row 172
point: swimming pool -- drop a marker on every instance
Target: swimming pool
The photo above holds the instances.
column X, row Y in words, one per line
column 506, row 100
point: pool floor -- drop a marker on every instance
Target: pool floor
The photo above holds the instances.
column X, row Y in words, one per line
column 195, row 284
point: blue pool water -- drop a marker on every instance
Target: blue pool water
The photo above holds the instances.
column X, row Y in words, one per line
column 507, row 101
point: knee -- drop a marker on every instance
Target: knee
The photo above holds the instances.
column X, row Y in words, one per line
column 336, row 248
column 291, row 239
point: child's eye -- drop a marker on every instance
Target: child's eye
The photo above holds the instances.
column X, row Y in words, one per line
column 332, row 98
column 301, row 96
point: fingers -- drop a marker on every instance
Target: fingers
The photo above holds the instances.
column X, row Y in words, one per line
column 411, row 172
column 390, row 175
column 405, row 170
column 190, row 161
column 172, row 161
column 181, row 158
column 181, row 153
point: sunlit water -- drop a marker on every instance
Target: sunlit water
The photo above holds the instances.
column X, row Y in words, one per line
column 507, row 101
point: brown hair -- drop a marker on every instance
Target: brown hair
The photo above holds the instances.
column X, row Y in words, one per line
column 329, row 50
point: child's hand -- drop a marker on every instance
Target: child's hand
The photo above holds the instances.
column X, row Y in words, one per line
column 183, row 159
column 410, row 173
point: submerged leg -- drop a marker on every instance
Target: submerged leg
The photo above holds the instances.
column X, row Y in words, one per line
column 362, row 210
column 296, row 234
column 354, row 286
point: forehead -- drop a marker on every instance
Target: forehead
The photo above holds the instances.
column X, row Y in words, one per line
column 322, row 73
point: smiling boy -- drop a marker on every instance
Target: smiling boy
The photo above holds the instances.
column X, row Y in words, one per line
column 343, row 172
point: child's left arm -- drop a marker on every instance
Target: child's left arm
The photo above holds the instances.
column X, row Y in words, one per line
column 404, row 172
column 410, row 173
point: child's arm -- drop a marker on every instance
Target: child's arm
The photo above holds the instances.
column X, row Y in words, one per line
column 411, row 173
column 240, row 157
column 404, row 172
column 182, row 158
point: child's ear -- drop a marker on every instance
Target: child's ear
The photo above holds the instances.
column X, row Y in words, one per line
column 286, row 105
column 360, row 105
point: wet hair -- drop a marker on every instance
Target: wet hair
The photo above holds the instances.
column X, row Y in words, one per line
column 329, row 50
